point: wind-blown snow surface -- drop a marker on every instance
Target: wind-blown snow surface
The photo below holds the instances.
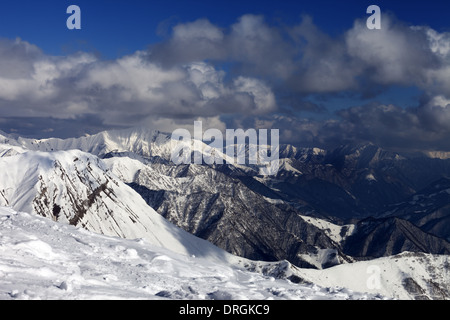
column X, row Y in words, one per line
column 43, row 259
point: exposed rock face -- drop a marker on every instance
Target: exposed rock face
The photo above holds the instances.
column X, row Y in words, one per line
column 375, row 238
column 224, row 211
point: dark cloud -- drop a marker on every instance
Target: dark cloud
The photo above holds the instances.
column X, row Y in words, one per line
column 16, row 58
column 253, row 47
column 249, row 74
column 41, row 128
column 124, row 91
column 424, row 128
column 195, row 41
column 306, row 59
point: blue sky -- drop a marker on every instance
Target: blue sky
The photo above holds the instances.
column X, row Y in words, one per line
column 115, row 27
column 311, row 68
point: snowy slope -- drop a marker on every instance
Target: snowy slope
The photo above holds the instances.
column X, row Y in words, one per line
column 42, row 259
column 336, row 232
column 406, row 276
column 76, row 188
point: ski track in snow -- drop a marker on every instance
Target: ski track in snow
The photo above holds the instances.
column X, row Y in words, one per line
column 42, row 259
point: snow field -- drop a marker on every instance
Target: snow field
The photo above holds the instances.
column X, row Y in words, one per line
column 41, row 259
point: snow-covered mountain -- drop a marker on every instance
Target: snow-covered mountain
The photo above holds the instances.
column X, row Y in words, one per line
column 200, row 199
column 80, row 189
column 264, row 217
column 406, row 276
column 221, row 209
column 122, row 183
column 75, row 188
column 136, row 140
column 427, row 209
